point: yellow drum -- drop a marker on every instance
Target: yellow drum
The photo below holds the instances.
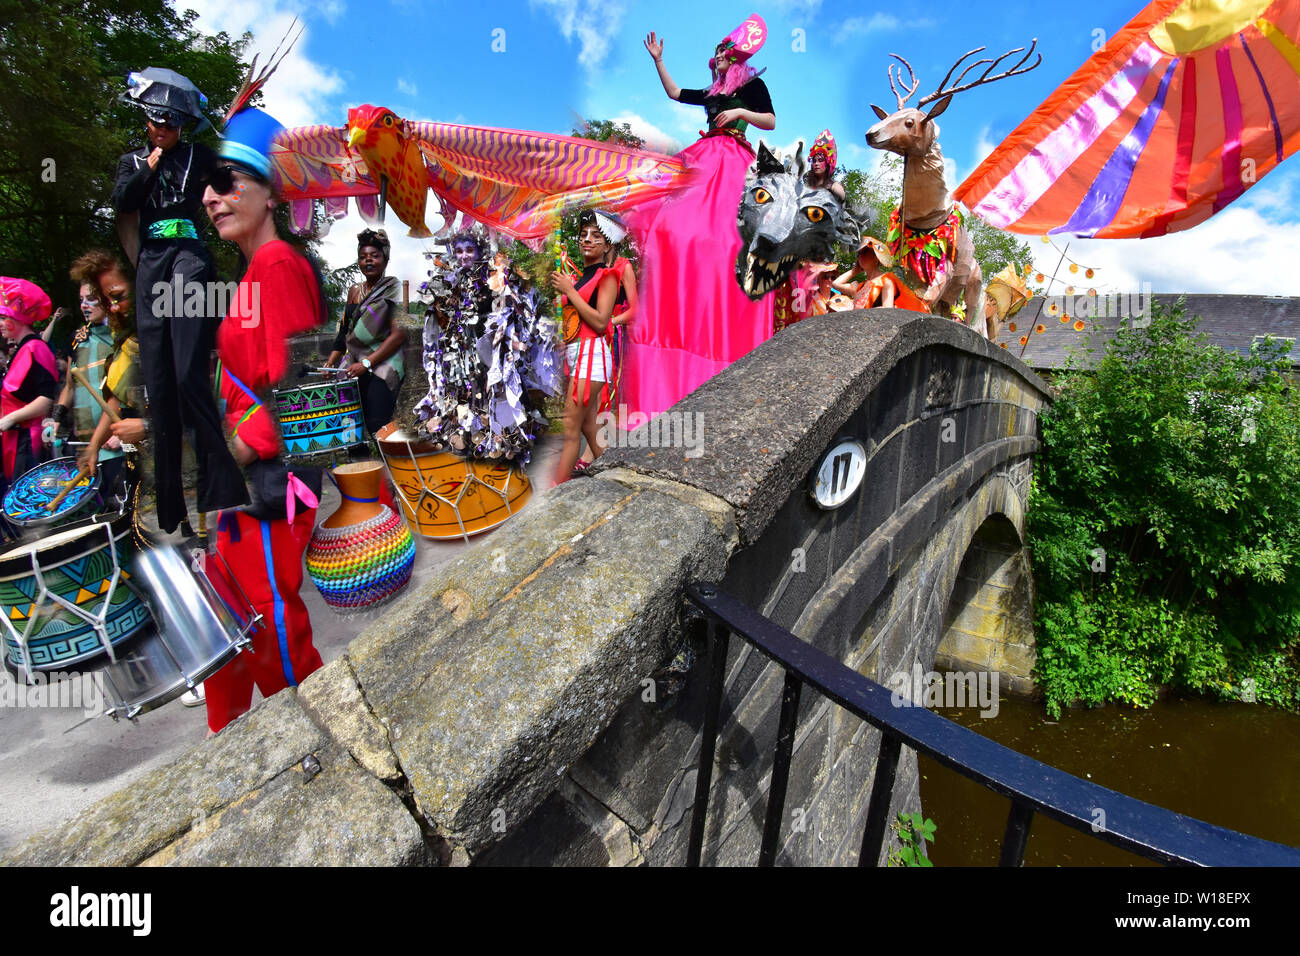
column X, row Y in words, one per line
column 446, row 496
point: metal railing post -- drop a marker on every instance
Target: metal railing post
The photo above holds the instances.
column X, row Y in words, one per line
column 780, row 768
column 708, row 736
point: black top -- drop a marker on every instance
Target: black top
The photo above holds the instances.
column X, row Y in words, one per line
column 172, row 191
column 349, row 317
column 38, row 381
column 752, row 96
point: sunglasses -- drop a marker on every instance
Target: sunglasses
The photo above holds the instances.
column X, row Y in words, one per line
column 222, row 179
column 165, row 123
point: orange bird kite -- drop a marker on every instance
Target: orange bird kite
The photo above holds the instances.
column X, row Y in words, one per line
column 513, row 181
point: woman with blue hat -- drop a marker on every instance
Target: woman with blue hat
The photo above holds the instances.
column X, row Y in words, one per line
column 265, row 542
column 162, row 183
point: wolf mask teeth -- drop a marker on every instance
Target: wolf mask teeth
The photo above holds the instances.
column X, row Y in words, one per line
column 782, row 221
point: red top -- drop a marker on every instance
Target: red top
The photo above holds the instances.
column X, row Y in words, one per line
column 278, row 297
column 590, row 291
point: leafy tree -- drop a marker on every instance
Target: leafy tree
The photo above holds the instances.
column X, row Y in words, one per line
column 607, row 131
column 62, row 126
column 1164, row 522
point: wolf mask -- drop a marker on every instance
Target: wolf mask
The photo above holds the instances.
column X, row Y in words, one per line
column 783, row 221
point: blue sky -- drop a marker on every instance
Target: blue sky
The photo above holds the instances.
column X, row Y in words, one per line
column 825, row 62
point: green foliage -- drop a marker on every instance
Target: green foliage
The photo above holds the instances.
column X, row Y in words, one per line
column 913, row 832
column 607, row 131
column 1164, row 520
column 62, row 127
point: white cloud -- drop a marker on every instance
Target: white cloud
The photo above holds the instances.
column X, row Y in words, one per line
column 594, row 24
column 406, row 87
column 654, row 137
column 1237, row 252
column 983, row 146
column 299, row 92
column 877, row 23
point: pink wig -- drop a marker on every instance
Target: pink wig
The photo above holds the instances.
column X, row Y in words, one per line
column 731, row 78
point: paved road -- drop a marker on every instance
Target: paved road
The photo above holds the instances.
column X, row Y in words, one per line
column 55, row 762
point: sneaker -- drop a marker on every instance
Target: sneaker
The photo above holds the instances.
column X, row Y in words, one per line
column 193, row 698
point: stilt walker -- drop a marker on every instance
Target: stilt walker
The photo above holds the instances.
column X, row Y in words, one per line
column 163, row 184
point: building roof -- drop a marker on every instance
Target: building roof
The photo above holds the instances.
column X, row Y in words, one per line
column 1230, row 321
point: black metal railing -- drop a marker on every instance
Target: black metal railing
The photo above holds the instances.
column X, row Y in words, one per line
column 1033, row 787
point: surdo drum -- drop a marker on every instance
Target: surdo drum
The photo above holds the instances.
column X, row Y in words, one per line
column 319, row 418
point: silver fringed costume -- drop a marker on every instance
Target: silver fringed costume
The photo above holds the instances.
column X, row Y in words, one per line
column 494, row 345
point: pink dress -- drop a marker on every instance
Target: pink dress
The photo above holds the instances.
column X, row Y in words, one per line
column 694, row 319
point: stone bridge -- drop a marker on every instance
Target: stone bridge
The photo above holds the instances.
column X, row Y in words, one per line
column 537, row 705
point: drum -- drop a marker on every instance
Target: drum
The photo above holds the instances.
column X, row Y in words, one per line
column 201, row 623
column 446, row 496
column 321, row 417
column 27, row 499
column 65, row 598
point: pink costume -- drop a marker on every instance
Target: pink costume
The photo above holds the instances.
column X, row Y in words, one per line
column 694, row 319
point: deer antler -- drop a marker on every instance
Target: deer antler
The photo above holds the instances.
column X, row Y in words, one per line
column 912, row 75
column 983, row 77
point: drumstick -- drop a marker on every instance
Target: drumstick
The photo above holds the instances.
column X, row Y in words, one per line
column 81, row 380
column 82, row 472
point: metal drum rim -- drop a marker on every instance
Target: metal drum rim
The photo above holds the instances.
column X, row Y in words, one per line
column 21, row 564
column 90, row 497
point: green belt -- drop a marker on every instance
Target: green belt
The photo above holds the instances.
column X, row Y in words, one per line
column 172, row 229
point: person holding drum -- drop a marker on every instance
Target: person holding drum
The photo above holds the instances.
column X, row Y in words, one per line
column 30, row 385
column 369, row 334
column 103, row 334
column 264, row 542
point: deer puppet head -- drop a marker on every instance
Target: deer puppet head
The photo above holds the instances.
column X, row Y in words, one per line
column 912, row 131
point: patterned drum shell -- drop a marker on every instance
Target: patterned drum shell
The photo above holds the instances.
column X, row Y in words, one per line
column 360, row 565
column 77, row 564
column 321, row 417
column 446, row 496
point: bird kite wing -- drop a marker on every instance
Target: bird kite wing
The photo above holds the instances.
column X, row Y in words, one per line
column 515, row 182
column 1178, row 115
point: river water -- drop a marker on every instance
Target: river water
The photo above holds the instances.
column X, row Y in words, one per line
column 1232, row 764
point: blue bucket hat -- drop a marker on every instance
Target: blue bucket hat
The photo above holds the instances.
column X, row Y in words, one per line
column 247, row 138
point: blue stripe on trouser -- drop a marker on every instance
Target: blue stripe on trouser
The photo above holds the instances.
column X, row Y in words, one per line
column 280, row 630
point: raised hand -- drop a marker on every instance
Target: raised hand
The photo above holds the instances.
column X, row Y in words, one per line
column 654, row 47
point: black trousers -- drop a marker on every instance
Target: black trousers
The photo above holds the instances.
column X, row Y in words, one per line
column 377, row 402
column 175, row 356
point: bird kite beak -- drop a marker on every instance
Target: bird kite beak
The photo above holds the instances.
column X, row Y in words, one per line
column 355, row 135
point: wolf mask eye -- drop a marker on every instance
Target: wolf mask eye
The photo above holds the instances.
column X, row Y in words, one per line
column 815, row 213
column 762, row 196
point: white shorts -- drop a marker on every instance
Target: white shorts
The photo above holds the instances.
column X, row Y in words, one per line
column 597, row 360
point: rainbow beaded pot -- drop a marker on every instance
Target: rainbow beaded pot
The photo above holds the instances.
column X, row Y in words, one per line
column 360, row 565
column 363, row 553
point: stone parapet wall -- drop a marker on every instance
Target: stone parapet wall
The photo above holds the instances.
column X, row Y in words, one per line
column 519, row 709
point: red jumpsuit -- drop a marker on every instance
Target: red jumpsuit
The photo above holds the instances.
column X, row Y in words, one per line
column 266, row 556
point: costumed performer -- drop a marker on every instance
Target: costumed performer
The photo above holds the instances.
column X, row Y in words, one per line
column 163, row 183
column 369, row 334
column 695, row 319
column 625, row 303
column 871, row 286
column 822, row 159
column 485, row 350
column 106, row 305
column 588, row 356
column 265, row 542
column 30, row 385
